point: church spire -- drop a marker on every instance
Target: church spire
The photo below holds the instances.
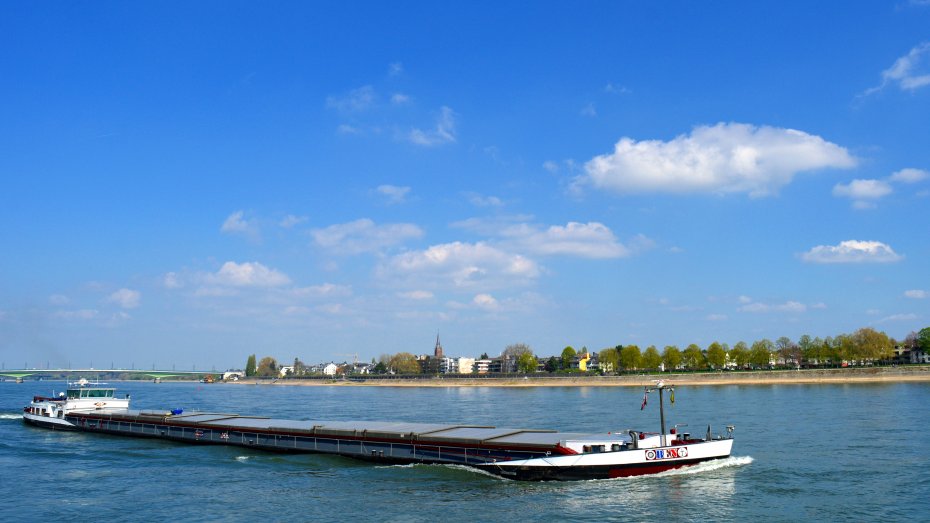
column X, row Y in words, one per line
column 438, row 351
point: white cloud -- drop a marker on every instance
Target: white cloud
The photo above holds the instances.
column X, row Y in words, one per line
column 399, row 98
column 716, row 317
column 460, row 265
column 862, row 189
column 587, row 240
column 788, row 306
column 852, row 251
column 356, row 100
column 248, row 274
column 172, row 281
column 909, row 175
column 347, row 129
column 616, row 89
column 724, row 158
column 395, row 68
column 484, row 201
column 916, row 294
column 393, row 193
column 364, row 235
column 125, row 298
column 551, row 166
column 442, row 133
column 82, row 314
column 899, row 317
column 909, row 72
column 416, row 295
column 236, row 224
column 59, row 299
column 589, row 110
column 485, row 301
column 323, row 290
column 291, row 220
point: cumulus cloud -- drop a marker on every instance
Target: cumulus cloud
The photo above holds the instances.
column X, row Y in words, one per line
column 852, row 251
column 393, row 193
column 485, row 301
column 248, row 274
column 291, row 220
column 356, row 100
column 586, row 240
column 909, row 175
column 862, row 189
column 460, row 265
column 126, row 298
column 916, row 294
column 364, row 235
column 236, row 223
column 909, row 72
column 442, row 133
column 724, row 158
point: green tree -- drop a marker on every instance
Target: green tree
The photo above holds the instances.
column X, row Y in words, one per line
column 739, row 355
column 651, row 358
column 267, row 367
column 716, row 356
column 923, row 339
column 671, row 357
column 630, row 357
column 250, row 366
column 511, row 356
column 404, row 363
column 873, row 345
column 693, row 358
column 568, row 356
column 608, row 360
column 760, row 354
column 380, row 368
column 552, row 364
column 526, row 363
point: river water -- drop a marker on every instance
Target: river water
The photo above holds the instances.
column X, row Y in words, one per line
column 802, row 452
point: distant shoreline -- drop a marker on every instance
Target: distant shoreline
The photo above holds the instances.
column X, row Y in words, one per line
column 803, row 376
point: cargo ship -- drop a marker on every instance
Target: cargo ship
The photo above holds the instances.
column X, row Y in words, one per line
column 521, row 454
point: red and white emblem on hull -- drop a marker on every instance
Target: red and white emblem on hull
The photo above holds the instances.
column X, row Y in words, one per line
column 657, row 454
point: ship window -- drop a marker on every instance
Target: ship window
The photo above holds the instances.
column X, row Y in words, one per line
column 73, row 394
column 109, row 393
column 83, row 393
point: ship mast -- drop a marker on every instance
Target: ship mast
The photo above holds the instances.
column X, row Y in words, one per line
column 661, row 386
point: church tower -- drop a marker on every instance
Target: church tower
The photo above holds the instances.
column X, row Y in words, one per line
column 437, row 353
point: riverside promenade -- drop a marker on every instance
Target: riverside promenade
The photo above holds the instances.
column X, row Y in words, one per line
column 910, row 373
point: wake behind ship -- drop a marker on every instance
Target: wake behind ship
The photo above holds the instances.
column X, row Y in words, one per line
column 523, row 454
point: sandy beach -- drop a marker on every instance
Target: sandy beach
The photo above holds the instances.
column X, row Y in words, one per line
column 803, row 376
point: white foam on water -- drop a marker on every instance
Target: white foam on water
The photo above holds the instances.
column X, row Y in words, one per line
column 706, row 466
column 7, row 415
column 243, row 459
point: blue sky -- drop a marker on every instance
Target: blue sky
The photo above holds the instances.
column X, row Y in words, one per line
column 186, row 184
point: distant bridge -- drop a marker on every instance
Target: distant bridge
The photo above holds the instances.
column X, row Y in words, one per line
column 23, row 373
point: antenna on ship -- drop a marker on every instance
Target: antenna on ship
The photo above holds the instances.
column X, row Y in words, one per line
column 660, row 386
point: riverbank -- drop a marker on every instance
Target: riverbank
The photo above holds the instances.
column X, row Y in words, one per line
column 803, row 376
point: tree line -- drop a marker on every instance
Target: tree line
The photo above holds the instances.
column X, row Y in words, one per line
column 863, row 345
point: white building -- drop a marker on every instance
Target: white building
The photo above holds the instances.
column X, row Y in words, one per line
column 466, row 365
column 330, row 369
